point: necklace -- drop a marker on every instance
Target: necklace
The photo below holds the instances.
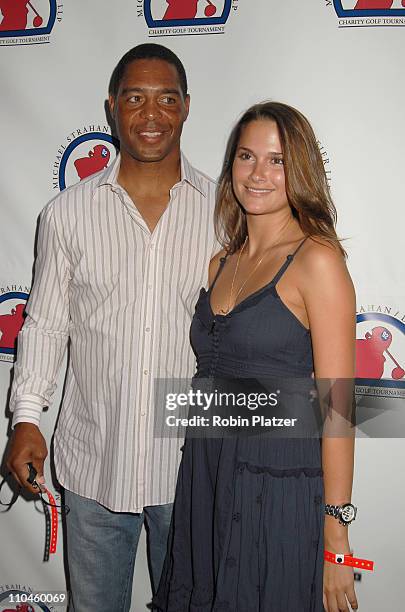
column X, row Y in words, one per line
column 228, row 309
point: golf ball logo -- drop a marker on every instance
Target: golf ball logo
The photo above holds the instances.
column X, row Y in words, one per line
column 22, row 18
column 380, row 348
column 169, row 13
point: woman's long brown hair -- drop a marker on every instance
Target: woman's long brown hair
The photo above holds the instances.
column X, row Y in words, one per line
column 305, row 179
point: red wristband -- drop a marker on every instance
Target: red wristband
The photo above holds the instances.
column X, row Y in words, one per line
column 341, row 559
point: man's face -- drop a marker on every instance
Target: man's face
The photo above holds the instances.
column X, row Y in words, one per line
column 149, row 110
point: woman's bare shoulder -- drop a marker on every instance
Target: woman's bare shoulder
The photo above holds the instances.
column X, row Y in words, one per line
column 319, row 255
column 321, row 266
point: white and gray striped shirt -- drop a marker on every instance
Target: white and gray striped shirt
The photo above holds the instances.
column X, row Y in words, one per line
column 124, row 297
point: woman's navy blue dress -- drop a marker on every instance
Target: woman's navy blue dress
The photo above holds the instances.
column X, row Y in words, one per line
column 247, row 525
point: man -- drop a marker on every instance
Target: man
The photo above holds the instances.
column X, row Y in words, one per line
column 121, row 258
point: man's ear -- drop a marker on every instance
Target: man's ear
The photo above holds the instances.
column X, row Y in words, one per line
column 111, row 104
column 187, row 105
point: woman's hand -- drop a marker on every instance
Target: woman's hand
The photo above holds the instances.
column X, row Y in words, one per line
column 338, row 588
column 338, row 580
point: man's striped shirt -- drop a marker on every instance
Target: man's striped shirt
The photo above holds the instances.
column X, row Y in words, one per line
column 123, row 298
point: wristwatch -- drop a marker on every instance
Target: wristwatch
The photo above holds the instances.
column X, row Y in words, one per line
column 345, row 514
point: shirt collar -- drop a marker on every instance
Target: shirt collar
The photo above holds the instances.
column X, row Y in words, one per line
column 188, row 175
column 110, row 174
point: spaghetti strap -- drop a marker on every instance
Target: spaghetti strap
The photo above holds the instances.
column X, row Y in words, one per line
column 221, row 265
column 286, row 263
column 299, row 246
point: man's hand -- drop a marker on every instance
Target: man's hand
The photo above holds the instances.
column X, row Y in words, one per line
column 27, row 446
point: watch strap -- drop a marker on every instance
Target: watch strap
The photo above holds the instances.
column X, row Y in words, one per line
column 332, row 510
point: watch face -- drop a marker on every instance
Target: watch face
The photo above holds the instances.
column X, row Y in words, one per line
column 348, row 513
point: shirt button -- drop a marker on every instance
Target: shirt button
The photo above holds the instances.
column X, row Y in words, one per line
column 147, row 329
column 143, row 413
column 146, row 372
column 149, row 287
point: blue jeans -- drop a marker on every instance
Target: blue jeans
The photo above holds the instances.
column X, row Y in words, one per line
column 101, row 550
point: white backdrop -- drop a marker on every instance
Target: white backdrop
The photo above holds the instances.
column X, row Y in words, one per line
column 341, row 66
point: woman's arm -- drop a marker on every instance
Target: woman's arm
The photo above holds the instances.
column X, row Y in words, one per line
column 329, row 299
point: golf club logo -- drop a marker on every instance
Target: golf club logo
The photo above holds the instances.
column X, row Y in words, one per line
column 181, row 17
column 28, row 21
column 380, row 350
column 87, row 150
column 369, row 13
column 12, row 304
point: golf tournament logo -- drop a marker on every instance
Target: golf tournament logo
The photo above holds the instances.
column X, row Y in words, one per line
column 24, row 22
column 380, row 351
column 86, row 151
column 12, row 303
column 369, row 13
column 185, row 17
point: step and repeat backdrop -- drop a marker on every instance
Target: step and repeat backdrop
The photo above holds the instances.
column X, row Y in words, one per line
column 341, row 63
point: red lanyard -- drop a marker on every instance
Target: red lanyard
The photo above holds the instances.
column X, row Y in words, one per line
column 51, row 517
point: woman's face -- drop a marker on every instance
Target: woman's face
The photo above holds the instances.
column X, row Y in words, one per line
column 258, row 170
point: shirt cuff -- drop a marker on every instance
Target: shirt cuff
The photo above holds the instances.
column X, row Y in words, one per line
column 28, row 409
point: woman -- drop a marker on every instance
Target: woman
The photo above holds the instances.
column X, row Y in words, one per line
column 248, row 530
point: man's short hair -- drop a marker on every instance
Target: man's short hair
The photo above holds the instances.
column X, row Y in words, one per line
column 147, row 51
